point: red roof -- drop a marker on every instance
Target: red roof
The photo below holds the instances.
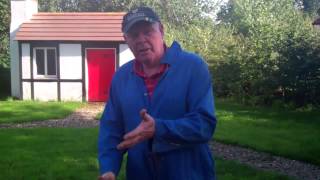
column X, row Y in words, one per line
column 73, row 26
column 316, row 22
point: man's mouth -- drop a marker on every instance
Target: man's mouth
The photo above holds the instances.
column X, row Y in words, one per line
column 143, row 50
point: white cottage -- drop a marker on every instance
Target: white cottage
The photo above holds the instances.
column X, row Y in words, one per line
column 64, row 56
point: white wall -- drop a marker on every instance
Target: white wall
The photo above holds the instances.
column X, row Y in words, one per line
column 70, row 68
column 70, row 61
column 25, row 53
column 26, row 74
column 26, row 91
column 125, row 54
column 45, row 91
column 71, row 91
column 21, row 10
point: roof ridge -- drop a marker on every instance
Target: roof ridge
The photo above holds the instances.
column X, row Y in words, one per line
column 77, row 26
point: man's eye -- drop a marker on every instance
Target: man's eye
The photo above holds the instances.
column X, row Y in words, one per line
column 148, row 33
column 133, row 35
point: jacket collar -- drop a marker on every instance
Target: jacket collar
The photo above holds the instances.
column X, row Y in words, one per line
column 171, row 53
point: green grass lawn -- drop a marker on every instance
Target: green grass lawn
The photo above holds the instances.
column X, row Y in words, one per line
column 293, row 134
column 23, row 111
column 44, row 153
column 69, row 153
column 48, row 154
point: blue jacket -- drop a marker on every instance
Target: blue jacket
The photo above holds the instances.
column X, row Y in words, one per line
column 183, row 108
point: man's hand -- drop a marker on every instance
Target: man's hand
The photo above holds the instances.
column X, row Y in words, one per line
column 144, row 131
column 107, row 176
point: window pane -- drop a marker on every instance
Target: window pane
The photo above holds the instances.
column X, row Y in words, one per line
column 40, row 61
column 51, row 62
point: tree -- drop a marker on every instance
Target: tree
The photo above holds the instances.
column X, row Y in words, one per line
column 4, row 33
column 275, row 35
column 4, row 47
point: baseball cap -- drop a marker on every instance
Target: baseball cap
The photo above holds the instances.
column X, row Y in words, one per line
column 136, row 15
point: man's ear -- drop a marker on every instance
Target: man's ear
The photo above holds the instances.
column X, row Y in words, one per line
column 161, row 28
column 125, row 37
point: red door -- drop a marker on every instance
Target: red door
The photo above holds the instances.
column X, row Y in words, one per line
column 101, row 67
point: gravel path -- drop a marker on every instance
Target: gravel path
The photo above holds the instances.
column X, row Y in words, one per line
column 265, row 161
column 84, row 117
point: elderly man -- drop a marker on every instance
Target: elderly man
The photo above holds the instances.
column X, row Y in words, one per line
column 160, row 109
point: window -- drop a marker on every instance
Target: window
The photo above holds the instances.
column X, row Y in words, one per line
column 45, row 62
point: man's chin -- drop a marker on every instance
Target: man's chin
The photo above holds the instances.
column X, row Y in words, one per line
column 144, row 59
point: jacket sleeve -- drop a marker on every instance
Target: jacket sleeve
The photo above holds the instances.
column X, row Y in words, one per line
column 110, row 135
column 198, row 124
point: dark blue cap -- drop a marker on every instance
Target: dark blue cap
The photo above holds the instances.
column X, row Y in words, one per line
column 136, row 15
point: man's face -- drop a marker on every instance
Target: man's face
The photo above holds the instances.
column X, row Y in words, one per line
column 146, row 41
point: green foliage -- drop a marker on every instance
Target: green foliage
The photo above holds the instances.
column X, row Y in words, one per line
column 4, row 48
column 170, row 11
column 299, row 68
column 81, row 6
column 272, row 35
column 226, row 53
column 199, row 42
column 4, row 33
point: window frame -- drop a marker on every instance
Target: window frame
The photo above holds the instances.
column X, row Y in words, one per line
column 35, row 69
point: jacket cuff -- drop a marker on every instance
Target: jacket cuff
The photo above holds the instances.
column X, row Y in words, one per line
column 159, row 143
